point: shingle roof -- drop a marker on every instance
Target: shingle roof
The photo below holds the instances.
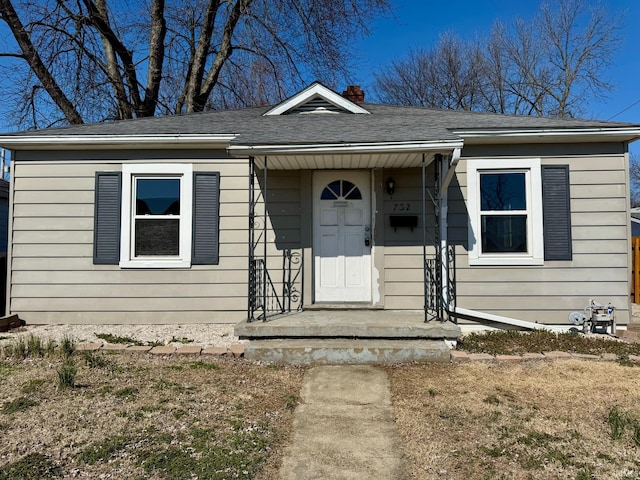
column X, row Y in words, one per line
column 385, row 124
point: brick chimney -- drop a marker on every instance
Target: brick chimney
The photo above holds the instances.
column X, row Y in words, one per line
column 354, row 94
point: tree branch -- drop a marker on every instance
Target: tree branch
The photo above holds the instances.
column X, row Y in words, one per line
column 37, row 65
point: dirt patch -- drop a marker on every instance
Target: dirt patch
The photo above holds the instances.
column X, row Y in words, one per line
column 530, row 421
column 133, row 416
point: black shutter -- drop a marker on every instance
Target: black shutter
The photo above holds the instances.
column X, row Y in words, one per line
column 556, row 209
column 206, row 218
column 106, row 225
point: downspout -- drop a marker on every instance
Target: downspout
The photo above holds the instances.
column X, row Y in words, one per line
column 447, row 170
column 508, row 320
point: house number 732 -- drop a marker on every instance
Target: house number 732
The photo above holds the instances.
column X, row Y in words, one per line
column 401, row 207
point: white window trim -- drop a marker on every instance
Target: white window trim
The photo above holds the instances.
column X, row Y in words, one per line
column 129, row 172
column 535, row 234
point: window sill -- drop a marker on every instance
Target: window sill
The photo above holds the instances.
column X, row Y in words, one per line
column 155, row 264
column 505, row 261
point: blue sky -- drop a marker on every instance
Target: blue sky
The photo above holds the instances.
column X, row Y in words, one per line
column 418, row 23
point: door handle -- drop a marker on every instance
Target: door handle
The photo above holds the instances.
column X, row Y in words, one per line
column 367, row 236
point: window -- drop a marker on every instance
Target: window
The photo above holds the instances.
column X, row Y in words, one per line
column 341, row 189
column 156, row 216
column 156, row 220
column 505, row 212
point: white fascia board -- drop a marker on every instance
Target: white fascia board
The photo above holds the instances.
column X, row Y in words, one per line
column 345, row 148
column 311, row 91
column 35, row 142
column 631, row 132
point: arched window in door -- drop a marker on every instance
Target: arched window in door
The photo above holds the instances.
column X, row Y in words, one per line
column 341, row 189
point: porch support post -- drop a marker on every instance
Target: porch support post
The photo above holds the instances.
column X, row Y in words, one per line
column 443, row 213
column 424, row 235
column 251, row 297
column 264, row 240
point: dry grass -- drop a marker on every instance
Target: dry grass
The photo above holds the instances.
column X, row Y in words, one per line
column 512, row 342
column 139, row 417
column 546, row 420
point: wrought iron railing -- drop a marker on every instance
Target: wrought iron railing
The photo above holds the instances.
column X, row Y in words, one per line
column 263, row 297
column 440, row 286
column 268, row 294
column 439, row 267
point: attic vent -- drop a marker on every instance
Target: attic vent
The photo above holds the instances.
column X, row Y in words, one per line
column 316, row 105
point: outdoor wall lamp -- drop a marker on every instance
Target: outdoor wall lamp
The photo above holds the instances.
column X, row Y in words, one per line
column 391, row 185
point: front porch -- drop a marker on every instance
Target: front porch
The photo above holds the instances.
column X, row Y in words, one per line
column 374, row 237
column 348, row 336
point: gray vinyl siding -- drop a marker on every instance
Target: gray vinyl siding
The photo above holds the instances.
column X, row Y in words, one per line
column 600, row 265
column 403, row 253
column 53, row 278
column 284, row 199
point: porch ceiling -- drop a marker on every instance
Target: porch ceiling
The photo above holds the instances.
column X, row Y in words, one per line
column 334, row 162
column 344, row 161
column 345, row 155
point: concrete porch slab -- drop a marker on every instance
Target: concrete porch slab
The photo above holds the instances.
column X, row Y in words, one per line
column 389, row 324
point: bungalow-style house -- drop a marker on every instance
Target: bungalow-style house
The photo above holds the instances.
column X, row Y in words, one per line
column 635, row 222
column 322, row 201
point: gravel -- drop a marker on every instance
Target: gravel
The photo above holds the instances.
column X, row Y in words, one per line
column 205, row 335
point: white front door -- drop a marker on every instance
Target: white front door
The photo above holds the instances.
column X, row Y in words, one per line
column 342, row 236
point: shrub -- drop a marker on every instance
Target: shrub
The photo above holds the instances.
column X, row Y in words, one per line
column 35, row 346
column 67, row 374
column 67, row 347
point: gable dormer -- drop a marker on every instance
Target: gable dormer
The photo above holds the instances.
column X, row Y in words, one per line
column 316, row 99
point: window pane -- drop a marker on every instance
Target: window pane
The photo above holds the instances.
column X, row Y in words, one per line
column 350, row 191
column 503, row 191
column 158, row 196
column 157, row 237
column 331, row 191
column 504, row 233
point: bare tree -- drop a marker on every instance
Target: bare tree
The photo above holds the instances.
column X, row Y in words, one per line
column 447, row 76
column 634, row 178
column 547, row 67
column 92, row 60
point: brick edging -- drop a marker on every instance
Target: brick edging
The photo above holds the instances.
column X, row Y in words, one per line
column 458, row 356
column 236, row 350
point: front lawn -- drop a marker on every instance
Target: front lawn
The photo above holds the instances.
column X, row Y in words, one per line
column 133, row 416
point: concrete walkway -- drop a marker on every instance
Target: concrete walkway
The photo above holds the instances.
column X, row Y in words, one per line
column 344, row 428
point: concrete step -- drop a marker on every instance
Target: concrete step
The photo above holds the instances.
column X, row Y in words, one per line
column 345, row 324
column 312, row 351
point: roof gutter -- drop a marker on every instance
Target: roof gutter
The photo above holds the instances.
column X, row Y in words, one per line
column 632, row 132
column 409, row 147
column 41, row 142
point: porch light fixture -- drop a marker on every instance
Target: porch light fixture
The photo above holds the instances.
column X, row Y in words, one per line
column 391, row 186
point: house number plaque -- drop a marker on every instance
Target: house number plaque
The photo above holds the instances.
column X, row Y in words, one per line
column 401, row 207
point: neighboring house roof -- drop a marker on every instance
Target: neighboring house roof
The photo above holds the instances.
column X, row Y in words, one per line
column 384, row 125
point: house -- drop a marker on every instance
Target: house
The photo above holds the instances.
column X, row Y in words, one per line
column 320, row 201
column 635, row 222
